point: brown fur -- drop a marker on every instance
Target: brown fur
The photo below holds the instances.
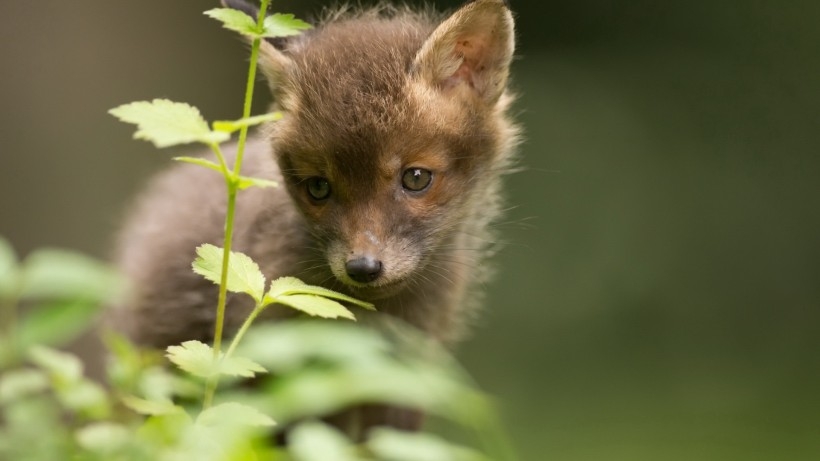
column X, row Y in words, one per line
column 365, row 95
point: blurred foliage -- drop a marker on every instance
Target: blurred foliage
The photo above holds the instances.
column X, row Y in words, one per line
column 50, row 410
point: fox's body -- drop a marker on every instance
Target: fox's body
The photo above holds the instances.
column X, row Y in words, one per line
column 389, row 156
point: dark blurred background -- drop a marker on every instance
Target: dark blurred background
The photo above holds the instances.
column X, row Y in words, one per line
column 659, row 297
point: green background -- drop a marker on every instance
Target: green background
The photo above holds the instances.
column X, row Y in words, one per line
column 659, row 296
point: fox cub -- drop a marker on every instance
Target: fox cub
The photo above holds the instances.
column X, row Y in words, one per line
column 390, row 154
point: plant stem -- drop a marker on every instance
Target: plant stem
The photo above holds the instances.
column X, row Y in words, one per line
column 246, row 110
column 210, row 387
column 243, row 329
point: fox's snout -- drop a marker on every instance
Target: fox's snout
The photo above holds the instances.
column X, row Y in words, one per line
column 363, row 269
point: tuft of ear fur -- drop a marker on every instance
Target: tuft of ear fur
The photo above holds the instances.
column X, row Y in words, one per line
column 472, row 50
column 273, row 63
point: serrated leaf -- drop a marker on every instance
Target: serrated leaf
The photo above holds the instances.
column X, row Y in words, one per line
column 200, row 161
column 230, row 126
column 151, row 407
column 8, row 269
column 232, row 413
column 235, row 20
column 65, row 367
column 244, row 275
column 283, row 25
column 17, row 384
column 392, row 445
column 320, row 442
column 166, row 123
column 240, row 366
column 197, row 358
column 292, row 285
column 316, row 306
column 103, row 438
column 245, row 182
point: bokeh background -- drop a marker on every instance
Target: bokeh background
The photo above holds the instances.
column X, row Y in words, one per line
column 659, row 296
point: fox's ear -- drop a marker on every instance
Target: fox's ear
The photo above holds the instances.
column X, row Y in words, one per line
column 272, row 62
column 470, row 51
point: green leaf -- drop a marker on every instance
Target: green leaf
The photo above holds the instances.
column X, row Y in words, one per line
column 235, row 20
column 151, row 407
column 232, row 413
column 86, row 397
column 17, row 384
column 283, row 25
column 230, row 126
column 197, row 358
column 166, row 123
column 316, row 306
column 52, row 273
column 200, row 161
column 66, row 368
column 56, row 323
column 244, row 275
column 103, row 438
column 392, row 445
column 245, row 182
column 320, row 442
column 292, row 285
column 282, row 347
column 8, row 269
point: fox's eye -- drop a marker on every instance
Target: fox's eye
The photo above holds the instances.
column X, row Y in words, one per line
column 416, row 179
column 318, row 188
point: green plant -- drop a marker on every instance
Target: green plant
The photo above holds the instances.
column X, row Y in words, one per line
column 152, row 412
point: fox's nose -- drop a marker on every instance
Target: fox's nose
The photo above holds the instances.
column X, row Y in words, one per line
column 364, row 269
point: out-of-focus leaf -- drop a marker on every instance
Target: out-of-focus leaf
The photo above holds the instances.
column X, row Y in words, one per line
column 86, row 397
column 56, row 323
column 282, row 347
column 51, row 273
column 167, row 123
column 103, row 438
column 151, row 407
column 244, row 275
column 16, row 384
column 231, row 414
column 392, row 445
column 320, row 442
column 8, row 269
column 64, row 367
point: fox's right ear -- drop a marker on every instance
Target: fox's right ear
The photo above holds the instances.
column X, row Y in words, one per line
column 272, row 62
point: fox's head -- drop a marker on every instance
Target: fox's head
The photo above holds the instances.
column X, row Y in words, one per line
column 393, row 135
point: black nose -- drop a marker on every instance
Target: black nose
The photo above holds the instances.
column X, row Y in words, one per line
column 364, row 269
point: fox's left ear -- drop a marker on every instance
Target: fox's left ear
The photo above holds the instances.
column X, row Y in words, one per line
column 470, row 51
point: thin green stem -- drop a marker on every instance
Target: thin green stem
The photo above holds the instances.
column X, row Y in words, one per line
column 218, row 152
column 211, row 385
column 246, row 110
column 243, row 329
column 219, row 326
